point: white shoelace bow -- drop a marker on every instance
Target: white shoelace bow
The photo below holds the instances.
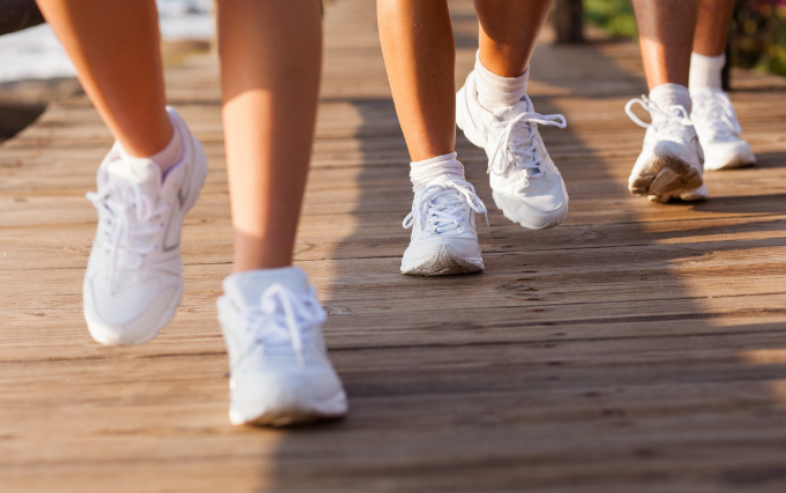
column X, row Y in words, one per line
column 127, row 223
column 509, row 150
column 672, row 121
column 281, row 316
column 447, row 214
column 714, row 110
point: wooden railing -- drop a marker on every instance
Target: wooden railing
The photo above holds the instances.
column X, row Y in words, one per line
column 569, row 21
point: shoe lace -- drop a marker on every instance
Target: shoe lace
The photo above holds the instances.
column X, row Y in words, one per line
column 128, row 222
column 440, row 207
column 671, row 121
column 282, row 316
column 521, row 149
column 713, row 110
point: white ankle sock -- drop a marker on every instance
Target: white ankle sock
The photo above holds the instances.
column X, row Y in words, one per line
column 705, row 71
column 495, row 91
column 170, row 155
column 666, row 95
column 423, row 172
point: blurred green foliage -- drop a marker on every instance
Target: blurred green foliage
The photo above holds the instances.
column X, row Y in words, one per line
column 758, row 35
column 615, row 16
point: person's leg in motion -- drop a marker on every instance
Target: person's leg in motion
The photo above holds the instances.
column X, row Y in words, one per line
column 496, row 114
column 419, row 52
column 417, row 43
column 271, row 58
column 149, row 179
column 713, row 114
column 670, row 164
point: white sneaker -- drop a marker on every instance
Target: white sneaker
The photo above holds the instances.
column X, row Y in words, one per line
column 670, row 163
column 444, row 239
column 134, row 278
column 280, row 372
column 526, row 184
column 719, row 131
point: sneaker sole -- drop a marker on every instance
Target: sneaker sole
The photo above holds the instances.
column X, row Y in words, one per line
column 739, row 162
column 667, row 176
column 334, row 407
column 445, row 262
column 685, row 197
column 551, row 224
column 108, row 336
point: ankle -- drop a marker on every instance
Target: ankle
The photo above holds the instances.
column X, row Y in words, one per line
column 424, row 172
column 705, row 71
column 292, row 277
column 262, row 250
column 171, row 154
column 495, row 91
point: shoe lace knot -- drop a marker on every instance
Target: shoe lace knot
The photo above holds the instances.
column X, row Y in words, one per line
column 713, row 111
column 517, row 143
column 128, row 221
column 668, row 122
column 440, row 208
column 284, row 317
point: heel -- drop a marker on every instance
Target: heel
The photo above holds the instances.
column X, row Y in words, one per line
column 199, row 174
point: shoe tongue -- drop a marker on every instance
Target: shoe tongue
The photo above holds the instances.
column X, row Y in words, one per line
column 141, row 172
column 246, row 288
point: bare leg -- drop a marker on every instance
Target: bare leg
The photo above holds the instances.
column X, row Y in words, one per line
column 270, row 101
column 420, row 56
column 115, row 49
column 509, row 30
column 417, row 43
column 666, row 30
column 712, row 27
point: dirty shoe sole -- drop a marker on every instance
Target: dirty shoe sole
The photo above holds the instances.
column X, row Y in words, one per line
column 445, row 262
column 666, row 176
column 334, row 407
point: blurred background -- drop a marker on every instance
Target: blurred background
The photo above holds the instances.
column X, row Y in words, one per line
column 34, row 69
column 35, row 53
column 758, row 31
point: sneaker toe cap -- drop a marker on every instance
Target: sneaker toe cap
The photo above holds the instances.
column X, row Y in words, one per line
column 424, row 249
column 728, row 155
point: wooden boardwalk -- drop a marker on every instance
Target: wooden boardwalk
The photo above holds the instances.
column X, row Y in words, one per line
column 636, row 348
